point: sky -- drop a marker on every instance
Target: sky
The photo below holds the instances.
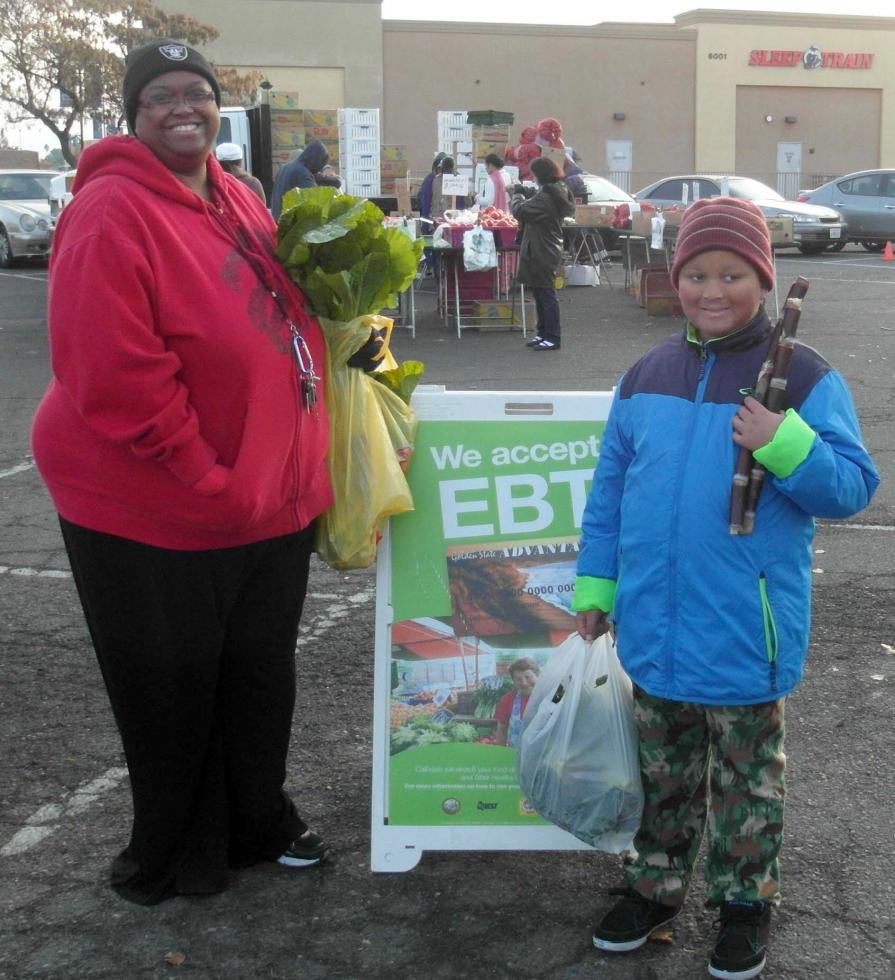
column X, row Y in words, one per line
column 592, row 12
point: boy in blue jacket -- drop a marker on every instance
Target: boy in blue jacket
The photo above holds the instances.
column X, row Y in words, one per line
column 712, row 627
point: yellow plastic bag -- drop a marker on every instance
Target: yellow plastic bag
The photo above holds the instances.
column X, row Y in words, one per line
column 371, row 433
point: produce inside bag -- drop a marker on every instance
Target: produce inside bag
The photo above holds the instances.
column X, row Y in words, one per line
column 350, row 267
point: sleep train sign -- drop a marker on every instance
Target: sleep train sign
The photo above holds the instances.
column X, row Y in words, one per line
column 473, row 596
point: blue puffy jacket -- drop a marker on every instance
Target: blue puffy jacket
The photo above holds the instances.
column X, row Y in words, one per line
column 702, row 615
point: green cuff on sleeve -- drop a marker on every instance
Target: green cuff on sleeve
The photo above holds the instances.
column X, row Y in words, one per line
column 593, row 593
column 789, row 448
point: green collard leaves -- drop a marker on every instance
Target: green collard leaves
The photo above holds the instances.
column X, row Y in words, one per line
column 402, row 380
column 336, row 248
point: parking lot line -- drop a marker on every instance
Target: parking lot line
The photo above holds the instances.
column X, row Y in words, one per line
column 45, row 820
column 34, row 572
column 22, row 275
column 19, row 468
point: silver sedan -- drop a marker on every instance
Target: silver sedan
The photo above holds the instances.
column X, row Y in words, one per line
column 814, row 228
column 25, row 221
column 866, row 200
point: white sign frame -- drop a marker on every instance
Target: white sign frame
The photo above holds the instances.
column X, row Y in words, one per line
column 399, row 847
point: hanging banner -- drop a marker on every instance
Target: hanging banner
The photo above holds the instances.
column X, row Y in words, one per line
column 473, row 596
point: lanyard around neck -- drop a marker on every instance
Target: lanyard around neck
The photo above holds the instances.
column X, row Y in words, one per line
column 308, row 377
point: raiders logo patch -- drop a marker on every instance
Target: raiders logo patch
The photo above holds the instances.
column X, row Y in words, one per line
column 174, row 52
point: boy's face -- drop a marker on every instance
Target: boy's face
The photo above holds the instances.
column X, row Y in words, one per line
column 719, row 292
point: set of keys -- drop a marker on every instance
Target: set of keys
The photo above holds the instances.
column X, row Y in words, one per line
column 308, row 377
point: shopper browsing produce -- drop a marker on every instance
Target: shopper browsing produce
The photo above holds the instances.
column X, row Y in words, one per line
column 540, row 214
column 713, row 627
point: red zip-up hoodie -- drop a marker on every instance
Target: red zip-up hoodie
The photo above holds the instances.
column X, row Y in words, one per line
column 174, row 417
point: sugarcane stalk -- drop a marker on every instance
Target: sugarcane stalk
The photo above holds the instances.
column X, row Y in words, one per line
column 770, row 391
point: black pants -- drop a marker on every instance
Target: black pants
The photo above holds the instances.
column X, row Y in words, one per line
column 547, row 306
column 197, row 651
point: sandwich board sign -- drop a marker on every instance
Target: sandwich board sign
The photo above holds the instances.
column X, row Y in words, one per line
column 476, row 579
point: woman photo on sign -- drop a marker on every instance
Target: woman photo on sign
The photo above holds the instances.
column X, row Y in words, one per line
column 511, row 707
column 182, row 440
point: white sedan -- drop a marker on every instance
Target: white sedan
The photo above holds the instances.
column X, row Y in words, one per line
column 25, row 221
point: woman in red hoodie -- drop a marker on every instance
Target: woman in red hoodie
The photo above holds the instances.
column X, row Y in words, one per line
column 183, row 447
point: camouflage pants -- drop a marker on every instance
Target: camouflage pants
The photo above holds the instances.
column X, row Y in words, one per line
column 722, row 763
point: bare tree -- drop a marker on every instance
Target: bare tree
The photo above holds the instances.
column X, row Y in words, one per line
column 63, row 60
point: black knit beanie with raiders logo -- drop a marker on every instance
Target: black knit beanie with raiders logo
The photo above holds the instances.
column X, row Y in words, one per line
column 159, row 57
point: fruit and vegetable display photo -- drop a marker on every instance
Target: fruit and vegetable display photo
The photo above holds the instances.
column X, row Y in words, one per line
column 458, row 681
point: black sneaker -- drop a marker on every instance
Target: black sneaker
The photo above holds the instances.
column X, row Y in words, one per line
column 628, row 924
column 305, row 852
column 741, row 949
column 534, row 341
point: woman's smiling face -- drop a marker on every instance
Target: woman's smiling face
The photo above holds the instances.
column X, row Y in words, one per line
column 181, row 135
column 720, row 292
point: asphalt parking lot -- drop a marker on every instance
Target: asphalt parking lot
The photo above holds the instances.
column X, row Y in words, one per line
column 64, row 806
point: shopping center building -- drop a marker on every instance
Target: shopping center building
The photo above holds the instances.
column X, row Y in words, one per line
column 788, row 98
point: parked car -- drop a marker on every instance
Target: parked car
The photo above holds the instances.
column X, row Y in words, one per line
column 25, row 220
column 866, row 199
column 815, row 228
column 603, row 191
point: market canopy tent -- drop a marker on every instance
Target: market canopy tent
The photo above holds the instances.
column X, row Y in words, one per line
column 418, row 640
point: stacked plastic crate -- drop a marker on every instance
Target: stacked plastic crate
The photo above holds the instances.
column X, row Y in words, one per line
column 359, row 141
column 455, row 139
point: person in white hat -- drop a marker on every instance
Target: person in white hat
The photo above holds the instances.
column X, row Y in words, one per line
column 230, row 158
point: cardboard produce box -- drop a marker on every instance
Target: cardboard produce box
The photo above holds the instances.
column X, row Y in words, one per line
column 322, row 124
column 284, row 136
column 673, row 217
column 657, row 294
column 780, row 230
column 394, row 168
column 481, row 149
column 595, row 215
column 642, row 223
column 281, row 100
column 493, row 134
column 503, row 313
column 393, row 152
column 640, row 273
column 280, row 156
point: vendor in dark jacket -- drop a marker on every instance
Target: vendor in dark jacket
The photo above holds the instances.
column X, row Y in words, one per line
column 425, row 194
column 540, row 215
column 300, row 172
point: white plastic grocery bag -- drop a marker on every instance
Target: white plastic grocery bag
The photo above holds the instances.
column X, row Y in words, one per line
column 577, row 758
column 479, row 250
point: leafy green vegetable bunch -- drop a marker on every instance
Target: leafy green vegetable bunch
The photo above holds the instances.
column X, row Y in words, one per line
column 336, row 248
column 426, row 732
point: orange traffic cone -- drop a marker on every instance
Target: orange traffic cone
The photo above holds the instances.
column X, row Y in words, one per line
column 888, row 253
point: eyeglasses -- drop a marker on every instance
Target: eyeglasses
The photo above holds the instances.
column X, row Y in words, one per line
column 163, row 103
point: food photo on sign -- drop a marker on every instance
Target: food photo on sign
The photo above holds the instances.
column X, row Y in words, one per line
column 461, row 683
